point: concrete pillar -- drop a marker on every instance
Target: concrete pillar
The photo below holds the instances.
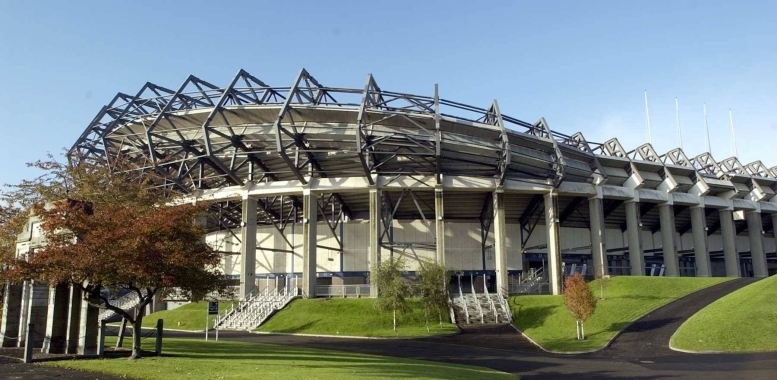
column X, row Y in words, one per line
column 500, row 243
column 439, row 225
column 598, row 244
column 248, row 248
column 12, row 312
column 730, row 254
column 634, row 232
column 309, row 241
column 668, row 233
column 699, row 230
column 24, row 313
column 73, row 319
column 88, row 327
column 554, row 247
column 755, row 229
column 374, row 245
column 54, row 342
column 35, row 310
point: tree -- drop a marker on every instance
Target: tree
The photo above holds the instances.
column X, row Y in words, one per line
column 604, row 280
column 110, row 228
column 433, row 282
column 393, row 287
column 579, row 300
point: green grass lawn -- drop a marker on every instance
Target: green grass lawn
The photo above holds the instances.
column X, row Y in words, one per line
column 745, row 320
column 352, row 317
column 190, row 316
column 545, row 319
column 196, row 359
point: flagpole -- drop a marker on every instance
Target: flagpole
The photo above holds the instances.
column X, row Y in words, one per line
column 679, row 129
column 647, row 113
column 733, row 136
column 707, row 128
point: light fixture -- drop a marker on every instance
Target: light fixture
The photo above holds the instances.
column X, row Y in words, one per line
column 305, row 220
column 439, row 217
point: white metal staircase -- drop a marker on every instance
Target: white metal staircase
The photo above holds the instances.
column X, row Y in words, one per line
column 125, row 302
column 254, row 310
column 533, row 283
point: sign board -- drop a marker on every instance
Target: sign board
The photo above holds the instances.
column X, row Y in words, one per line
column 213, row 308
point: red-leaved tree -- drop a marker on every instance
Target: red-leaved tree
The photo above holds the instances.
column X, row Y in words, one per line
column 579, row 300
column 108, row 228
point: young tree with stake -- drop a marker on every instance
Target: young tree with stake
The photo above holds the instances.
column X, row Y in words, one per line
column 433, row 282
column 604, row 280
column 579, row 300
column 393, row 287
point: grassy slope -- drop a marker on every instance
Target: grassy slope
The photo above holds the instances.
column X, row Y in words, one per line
column 191, row 316
column 195, row 359
column 354, row 317
column 745, row 320
column 547, row 322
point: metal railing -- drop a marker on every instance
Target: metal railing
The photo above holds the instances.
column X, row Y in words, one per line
column 532, row 283
column 505, row 306
column 343, row 291
column 490, row 301
column 125, row 302
column 477, row 302
column 463, row 301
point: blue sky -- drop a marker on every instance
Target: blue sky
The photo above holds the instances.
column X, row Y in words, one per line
column 581, row 65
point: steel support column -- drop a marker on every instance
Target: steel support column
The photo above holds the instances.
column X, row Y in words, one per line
column 668, row 233
column 699, row 230
column 755, row 230
column 730, row 254
column 248, row 248
column 554, row 247
column 500, row 243
column 634, row 232
column 439, row 226
column 309, row 240
column 374, row 245
column 598, row 243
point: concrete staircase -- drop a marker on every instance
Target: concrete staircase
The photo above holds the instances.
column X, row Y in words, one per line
column 254, row 310
column 480, row 308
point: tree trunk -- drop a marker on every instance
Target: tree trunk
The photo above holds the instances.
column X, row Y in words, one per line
column 577, row 326
column 395, row 320
column 136, row 335
column 426, row 317
column 439, row 314
column 582, row 330
column 137, row 331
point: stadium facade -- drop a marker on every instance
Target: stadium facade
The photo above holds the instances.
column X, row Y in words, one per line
column 313, row 184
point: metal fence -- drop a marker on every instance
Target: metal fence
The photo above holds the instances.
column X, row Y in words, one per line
column 343, row 291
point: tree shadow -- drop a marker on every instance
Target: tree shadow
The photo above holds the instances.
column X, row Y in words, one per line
column 530, row 317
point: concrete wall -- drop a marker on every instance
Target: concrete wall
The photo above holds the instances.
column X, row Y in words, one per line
column 462, row 246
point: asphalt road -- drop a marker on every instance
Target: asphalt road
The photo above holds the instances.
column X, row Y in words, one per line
column 640, row 352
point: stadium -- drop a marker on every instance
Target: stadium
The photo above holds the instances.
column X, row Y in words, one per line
column 310, row 186
column 313, row 184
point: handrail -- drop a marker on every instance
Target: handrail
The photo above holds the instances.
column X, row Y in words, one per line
column 490, row 301
column 477, row 302
column 461, row 297
column 505, row 305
